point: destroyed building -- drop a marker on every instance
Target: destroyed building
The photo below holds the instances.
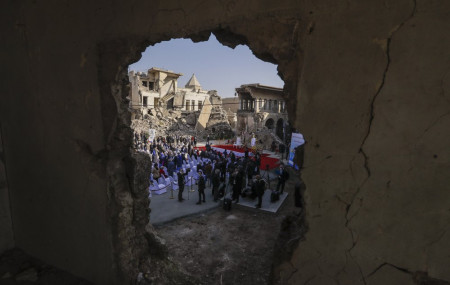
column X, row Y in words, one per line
column 156, row 92
column 231, row 105
column 261, row 106
column 149, row 90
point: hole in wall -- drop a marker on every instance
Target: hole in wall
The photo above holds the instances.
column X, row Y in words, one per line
column 234, row 230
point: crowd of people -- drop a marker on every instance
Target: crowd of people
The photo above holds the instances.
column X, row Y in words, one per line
column 220, row 170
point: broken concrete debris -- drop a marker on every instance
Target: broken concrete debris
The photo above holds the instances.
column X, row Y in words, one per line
column 156, row 102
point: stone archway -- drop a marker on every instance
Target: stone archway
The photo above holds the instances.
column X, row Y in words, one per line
column 270, row 124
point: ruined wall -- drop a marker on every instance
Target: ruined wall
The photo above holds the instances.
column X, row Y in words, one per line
column 367, row 84
column 6, row 230
column 205, row 113
column 374, row 106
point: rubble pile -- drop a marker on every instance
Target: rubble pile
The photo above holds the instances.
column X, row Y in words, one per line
column 165, row 122
column 175, row 122
column 264, row 138
column 218, row 117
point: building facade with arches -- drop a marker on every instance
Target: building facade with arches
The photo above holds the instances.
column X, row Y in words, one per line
column 261, row 106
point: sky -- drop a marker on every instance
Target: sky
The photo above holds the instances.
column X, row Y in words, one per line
column 216, row 67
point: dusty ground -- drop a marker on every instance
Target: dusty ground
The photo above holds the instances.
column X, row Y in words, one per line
column 235, row 247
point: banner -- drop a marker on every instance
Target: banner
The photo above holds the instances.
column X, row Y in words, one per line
column 296, row 140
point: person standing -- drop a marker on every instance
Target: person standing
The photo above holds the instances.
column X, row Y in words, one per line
column 180, row 176
column 260, row 188
column 201, row 188
column 155, row 171
column 208, row 172
column 171, row 167
column 215, row 184
column 250, row 169
column 282, row 177
column 237, row 185
column 257, row 162
column 223, row 169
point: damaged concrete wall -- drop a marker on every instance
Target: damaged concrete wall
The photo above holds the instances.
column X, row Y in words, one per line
column 6, row 230
column 205, row 113
column 178, row 100
column 367, row 84
column 374, row 106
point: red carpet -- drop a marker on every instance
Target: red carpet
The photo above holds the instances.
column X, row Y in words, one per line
column 265, row 159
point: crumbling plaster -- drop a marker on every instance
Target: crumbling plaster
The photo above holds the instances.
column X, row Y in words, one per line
column 366, row 82
column 374, row 153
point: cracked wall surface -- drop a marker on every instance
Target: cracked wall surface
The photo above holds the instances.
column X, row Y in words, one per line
column 372, row 95
column 367, row 85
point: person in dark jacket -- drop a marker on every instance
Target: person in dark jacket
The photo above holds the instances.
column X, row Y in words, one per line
column 179, row 160
column 237, row 185
column 180, row 176
column 257, row 162
column 250, row 169
column 171, row 167
column 208, row 172
column 260, row 188
column 201, row 188
column 223, row 169
column 282, row 177
column 216, row 184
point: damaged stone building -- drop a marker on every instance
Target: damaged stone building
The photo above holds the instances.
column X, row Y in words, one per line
column 261, row 106
column 159, row 88
column 231, row 106
column 366, row 82
column 158, row 91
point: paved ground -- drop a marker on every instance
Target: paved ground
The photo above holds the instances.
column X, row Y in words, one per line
column 165, row 209
column 266, row 204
